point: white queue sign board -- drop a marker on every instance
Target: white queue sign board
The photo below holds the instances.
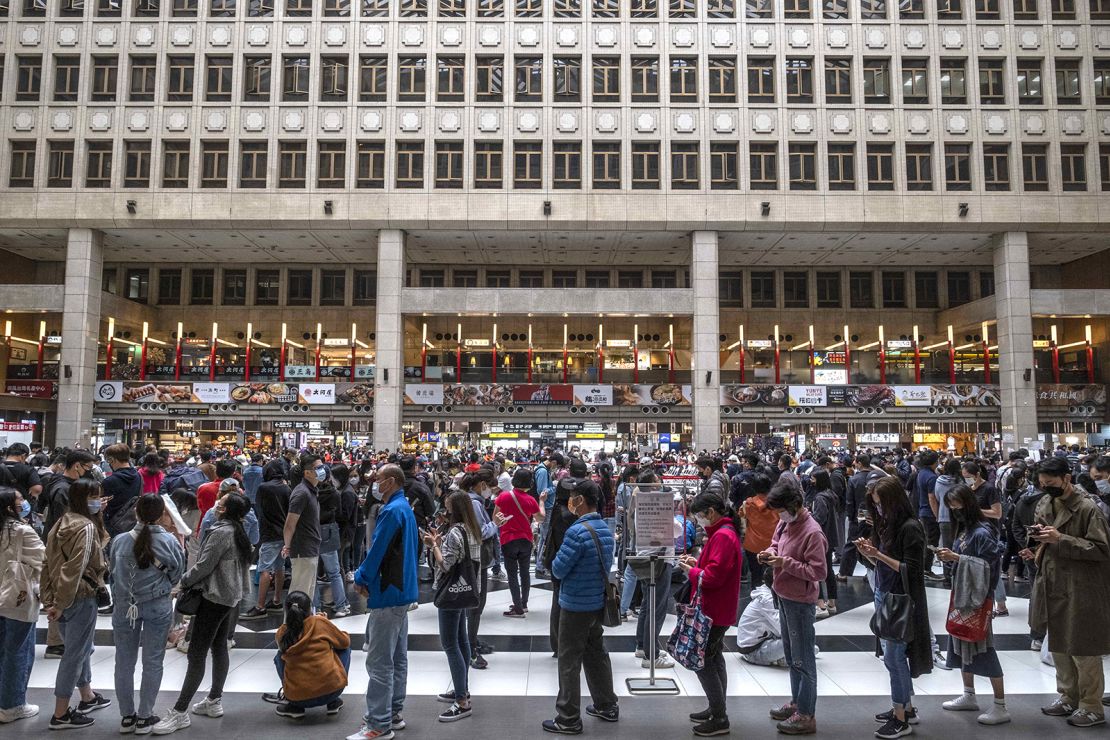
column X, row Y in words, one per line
column 655, row 521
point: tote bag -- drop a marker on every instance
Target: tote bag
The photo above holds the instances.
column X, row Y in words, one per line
column 459, row 588
column 893, row 619
column 969, row 626
column 19, row 592
column 690, row 635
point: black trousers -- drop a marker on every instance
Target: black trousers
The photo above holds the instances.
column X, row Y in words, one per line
column 517, row 554
column 211, row 627
column 755, row 568
column 932, row 536
column 553, row 621
column 474, row 616
column 714, row 675
column 849, row 557
column 580, row 647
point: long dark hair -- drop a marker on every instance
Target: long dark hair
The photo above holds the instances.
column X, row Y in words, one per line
column 298, row 607
column 706, row 501
column 972, row 515
column 148, row 510
column 80, row 491
column 236, row 507
column 481, row 475
column 8, row 512
column 896, row 510
column 460, row 510
column 822, row 481
column 152, row 463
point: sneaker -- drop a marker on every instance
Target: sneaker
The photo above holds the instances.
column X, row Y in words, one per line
column 822, row 612
column 290, row 711
column 343, row 611
column 711, row 727
column 608, row 714
column 514, row 612
column 786, row 711
column 1036, row 645
column 55, row 652
column 1003, row 612
column 275, row 606
column 1059, row 708
column 996, row 715
column 479, row 663
column 895, row 728
column 397, row 722
column 20, row 712
column 230, row 644
column 209, row 707
column 173, row 722
column 277, row 697
column 145, row 724
column 454, row 714
column 1083, row 718
column 127, row 724
column 349, row 578
column 702, row 716
column 333, row 707
column 499, row 576
column 557, row 727
column 1105, row 701
column 484, row 649
column 641, row 654
column 97, row 702
column 254, row 613
column 448, row 697
column 183, row 646
column 71, row 720
column 964, row 703
column 940, row 662
column 798, row 724
column 911, row 716
column 365, row 733
column 662, row 661
column 933, row 577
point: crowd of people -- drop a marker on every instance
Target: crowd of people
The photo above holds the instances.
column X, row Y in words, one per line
column 168, row 546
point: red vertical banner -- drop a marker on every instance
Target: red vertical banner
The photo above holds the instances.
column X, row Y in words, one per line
column 354, row 360
column 493, row 374
column 951, row 362
column 1055, row 364
column 177, row 359
column 212, row 361
column 281, row 361
column 1090, row 363
column 670, row 365
column 458, row 363
column 848, row 359
column 986, row 363
column 529, row 363
column 41, row 358
column 423, row 365
column 142, row 361
column 812, row 367
column 916, row 362
column 600, row 364
column 247, row 364
column 882, row 365
column 778, row 373
column 741, row 363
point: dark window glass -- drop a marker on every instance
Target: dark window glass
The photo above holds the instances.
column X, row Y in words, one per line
column 267, row 287
column 202, row 287
column 169, row 287
column 828, row 290
column 763, row 289
column 894, row 290
column 861, row 292
column 366, row 287
column 926, row 290
column 300, row 287
column 333, row 287
column 235, row 288
column 795, row 290
column 959, row 288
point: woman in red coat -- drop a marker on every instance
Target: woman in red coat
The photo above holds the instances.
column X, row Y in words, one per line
column 715, row 574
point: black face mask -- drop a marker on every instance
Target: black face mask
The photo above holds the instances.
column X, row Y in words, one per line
column 1054, row 491
column 958, row 515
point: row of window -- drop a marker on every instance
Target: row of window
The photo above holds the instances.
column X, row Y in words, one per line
column 797, row 292
column 1022, row 10
column 301, row 286
column 716, row 79
column 847, row 167
column 436, row 277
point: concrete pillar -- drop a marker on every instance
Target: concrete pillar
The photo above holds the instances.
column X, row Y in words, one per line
column 80, row 330
column 1014, row 335
column 705, row 364
column 390, row 341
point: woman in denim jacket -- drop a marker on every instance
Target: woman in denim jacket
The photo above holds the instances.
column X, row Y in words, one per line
column 147, row 562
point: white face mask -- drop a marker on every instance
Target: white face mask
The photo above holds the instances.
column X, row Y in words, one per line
column 969, row 481
column 1103, row 487
column 786, row 517
column 701, row 521
column 94, row 506
column 375, row 492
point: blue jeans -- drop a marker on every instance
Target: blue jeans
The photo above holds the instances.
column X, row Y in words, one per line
column 344, row 657
column 387, row 663
column 662, row 596
column 897, row 665
column 149, row 631
column 330, row 561
column 796, row 621
column 453, row 638
column 628, row 590
column 77, row 625
column 17, row 656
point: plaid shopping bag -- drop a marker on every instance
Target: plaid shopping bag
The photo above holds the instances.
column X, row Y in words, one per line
column 691, row 633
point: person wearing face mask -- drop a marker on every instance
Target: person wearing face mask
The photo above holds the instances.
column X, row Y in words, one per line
column 1071, row 592
column 761, row 523
column 481, row 484
column 18, row 543
column 301, row 533
column 715, row 576
column 990, row 501
column 797, row 553
column 54, row 501
column 75, row 569
column 1100, row 472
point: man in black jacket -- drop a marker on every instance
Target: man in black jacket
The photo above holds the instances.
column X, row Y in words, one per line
column 853, row 502
column 124, row 486
column 561, row 520
column 422, row 502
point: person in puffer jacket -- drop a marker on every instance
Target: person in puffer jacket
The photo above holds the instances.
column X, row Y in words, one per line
column 582, row 566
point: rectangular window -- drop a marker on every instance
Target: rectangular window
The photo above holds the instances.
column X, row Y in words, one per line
column 992, row 84
column 452, row 8
column 1101, row 69
column 143, row 74
column 371, row 164
column 267, row 287
column 645, row 79
column 528, row 78
column 915, row 81
column 838, row 80
column 218, row 74
column 876, row 80
column 880, row 166
column 894, row 290
column 564, row 279
column 986, row 283
column 67, row 78
column 107, row 8
column 1073, row 166
column 607, row 165
column 730, row 289
column 488, row 164
column 175, row 164
column 1034, row 167
column 372, row 79
column 988, row 10
column 413, row 8
column 33, row 8
column 953, row 81
column 567, row 8
column 724, row 165
column 873, row 10
column 665, row 279
column 298, row 8
column 337, row 8
column 803, row 166
column 464, row 278
column 252, row 164
column 333, row 287
column 681, row 9
column 799, row 80
column 527, row 165
column 919, row 167
column 645, row 9
column 828, row 290
column 410, row 164
column 300, row 287
column 959, row 288
column 861, row 290
column 761, row 79
column 331, row 164
column 926, row 292
column 179, row 85
column 1103, row 166
column 911, row 9
column 411, row 78
column 202, row 287
column 762, row 289
column 256, row 79
column 630, row 279
column 1029, row 82
column 685, row 173
column 645, row 165
column 136, row 171
column 842, row 166
column 499, row 278
column 606, row 80
column 796, row 8
column 721, row 9
column 597, row 279
column 235, row 288
column 1025, row 10
column 449, row 165
column 105, row 79
column 1067, row 82
column 214, row 159
column 764, row 166
column 255, row 8
column 567, row 79
column 366, row 287
column 1100, row 10
column 606, row 8
column 489, row 79
column 491, row 8
column 531, row 278
column 169, row 287
column 996, row 167
column 450, row 78
column 432, row 278
column 759, row 9
column 684, row 80
column 98, row 171
column 60, row 165
column 722, row 79
column 950, row 10
column 834, row 10
column 528, row 8
column 795, row 290
column 21, row 174
column 957, row 167
column 334, row 79
column 567, row 165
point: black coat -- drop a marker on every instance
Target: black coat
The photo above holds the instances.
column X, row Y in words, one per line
column 908, row 548
column 421, row 500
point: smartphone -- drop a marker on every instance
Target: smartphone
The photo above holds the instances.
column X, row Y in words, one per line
column 932, row 548
column 1033, row 528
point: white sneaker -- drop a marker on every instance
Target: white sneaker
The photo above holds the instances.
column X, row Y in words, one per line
column 343, row 611
column 939, row 661
column 996, row 715
column 661, row 661
column 1036, row 645
column 209, row 708
column 173, row 722
column 966, row 703
column 822, row 612
column 22, row 712
column 183, row 646
column 641, row 654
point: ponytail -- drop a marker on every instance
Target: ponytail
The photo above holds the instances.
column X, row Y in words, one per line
column 236, row 507
column 298, row 607
column 148, row 510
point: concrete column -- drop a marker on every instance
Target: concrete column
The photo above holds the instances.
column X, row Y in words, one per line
column 390, row 341
column 1014, row 335
column 706, row 341
column 80, row 329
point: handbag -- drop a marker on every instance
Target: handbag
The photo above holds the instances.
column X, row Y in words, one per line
column 188, row 603
column 969, row 626
column 101, row 593
column 459, row 588
column 691, row 634
column 893, row 620
column 19, row 592
column 611, row 609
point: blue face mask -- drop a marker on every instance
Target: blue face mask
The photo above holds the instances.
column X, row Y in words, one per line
column 321, row 473
column 25, row 510
column 94, row 506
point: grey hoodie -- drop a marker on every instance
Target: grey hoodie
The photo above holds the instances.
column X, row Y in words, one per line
column 219, row 571
column 945, row 483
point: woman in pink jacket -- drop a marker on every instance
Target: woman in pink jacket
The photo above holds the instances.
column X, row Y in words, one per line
column 797, row 554
column 715, row 574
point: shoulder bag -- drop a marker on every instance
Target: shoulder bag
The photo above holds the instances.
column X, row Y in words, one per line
column 893, row 619
column 18, row 589
column 611, row 609
column 459, row 588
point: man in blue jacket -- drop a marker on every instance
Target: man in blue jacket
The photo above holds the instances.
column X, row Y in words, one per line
column 582, row 567
column 387, row 578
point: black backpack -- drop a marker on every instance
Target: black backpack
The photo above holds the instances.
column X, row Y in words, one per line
column 124, row 519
